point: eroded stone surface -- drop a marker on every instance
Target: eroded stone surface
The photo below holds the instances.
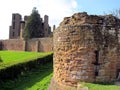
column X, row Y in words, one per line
column 76, row 42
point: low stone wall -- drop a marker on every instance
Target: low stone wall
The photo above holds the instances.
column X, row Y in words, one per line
column 13, row 44
column 34, row 45
column 45, row 44
column 0, row 45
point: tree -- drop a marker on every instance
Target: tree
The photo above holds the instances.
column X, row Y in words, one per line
column 116, row 13
column 33, row 26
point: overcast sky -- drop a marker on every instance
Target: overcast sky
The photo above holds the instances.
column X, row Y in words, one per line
column 55, row 9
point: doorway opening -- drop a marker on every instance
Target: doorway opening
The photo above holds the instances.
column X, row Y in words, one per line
column 118, row 75
column 96, row 64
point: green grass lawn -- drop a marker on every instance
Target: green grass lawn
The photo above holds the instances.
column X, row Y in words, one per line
column 37, row 79
column 10, row 58
column 101, row 86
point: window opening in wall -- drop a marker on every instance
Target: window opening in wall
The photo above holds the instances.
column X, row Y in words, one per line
column 96, row 64
column 13, row 25
column 13, row 34
column 118, row 74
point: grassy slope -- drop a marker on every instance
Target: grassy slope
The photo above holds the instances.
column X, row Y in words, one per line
column 37, row 79
column 12, row 57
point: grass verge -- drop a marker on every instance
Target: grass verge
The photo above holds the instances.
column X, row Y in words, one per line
column 10, row 58
column 37, row 79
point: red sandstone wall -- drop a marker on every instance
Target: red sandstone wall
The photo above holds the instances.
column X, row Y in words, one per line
column 31, row 45
column 14, row 44
column 39, row 44
column 118, row 65
column 45, row 44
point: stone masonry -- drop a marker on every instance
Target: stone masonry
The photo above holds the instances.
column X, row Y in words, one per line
column 33, row 45
column 86, row 48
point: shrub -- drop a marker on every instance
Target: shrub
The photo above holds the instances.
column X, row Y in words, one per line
column 14, row 71
column 0, row 59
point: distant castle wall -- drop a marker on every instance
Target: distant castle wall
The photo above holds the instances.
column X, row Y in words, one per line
column 34, row 45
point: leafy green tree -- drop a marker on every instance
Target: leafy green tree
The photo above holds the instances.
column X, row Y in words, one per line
column 33, row 26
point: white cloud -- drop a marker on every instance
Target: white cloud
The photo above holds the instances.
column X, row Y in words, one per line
column 55, row 9
column 7, row 7
column 74, row 3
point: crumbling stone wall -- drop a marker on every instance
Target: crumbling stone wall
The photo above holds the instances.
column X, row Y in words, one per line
column 34, row 45
column 86, row 48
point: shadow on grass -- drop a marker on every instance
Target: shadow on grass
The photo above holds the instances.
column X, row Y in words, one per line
column 104, row 83
column 29, row 79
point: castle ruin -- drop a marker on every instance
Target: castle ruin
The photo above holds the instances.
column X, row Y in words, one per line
column 18, row 25
column 86, row 49
column 15, row 41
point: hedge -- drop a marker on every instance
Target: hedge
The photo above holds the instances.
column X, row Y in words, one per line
column 14, row 71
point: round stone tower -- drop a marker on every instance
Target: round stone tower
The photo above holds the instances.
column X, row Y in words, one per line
column 85, row 49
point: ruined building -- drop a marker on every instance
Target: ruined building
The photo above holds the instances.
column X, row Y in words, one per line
column 86, row 48
column 16, row 43
column 18, row 25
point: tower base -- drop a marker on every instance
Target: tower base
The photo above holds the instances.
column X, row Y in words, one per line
column 55, row 86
